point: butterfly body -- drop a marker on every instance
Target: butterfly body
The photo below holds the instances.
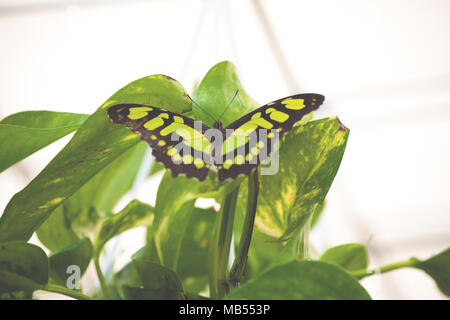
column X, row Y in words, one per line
column 218, row 125
column 189, row 147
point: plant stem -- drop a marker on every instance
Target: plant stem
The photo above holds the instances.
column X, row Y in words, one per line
column 67, row 292
column 386, row 268
column 240, row 262
column 219, row 255
column 101, row 278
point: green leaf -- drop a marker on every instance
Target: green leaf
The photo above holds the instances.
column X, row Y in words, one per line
column 127, row 276
column 95, row 145
column 171, row 216
column 136, row 293
column 309, row 158
column 301, row 280
column 215, row 93
column 107, row 187
column 24, row 133
column 156, row 167
column 192, row 296
column 173, row 211
column 154, row 276
column 351, row 256
column 292, row 250
column 126, row 282
column 438, row 267
column 195, row 285
column 262, row 253
column 80, row 214
column 57, row 232
column 135, row 214
column 18, row 295
column 78, row 254
column 162, row 282
column 169, row 235
column 193, row 257
column 23, row 267
column 85, row 222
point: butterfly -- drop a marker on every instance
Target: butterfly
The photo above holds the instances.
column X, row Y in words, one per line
column 189, row 147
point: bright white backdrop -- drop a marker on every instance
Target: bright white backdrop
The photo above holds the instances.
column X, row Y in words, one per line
column 382, row 65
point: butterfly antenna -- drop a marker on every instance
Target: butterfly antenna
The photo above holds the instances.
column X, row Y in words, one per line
column 229, row 104
column 206, row 112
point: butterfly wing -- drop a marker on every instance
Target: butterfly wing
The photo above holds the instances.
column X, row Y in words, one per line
column 245, row 146
column 177, row 141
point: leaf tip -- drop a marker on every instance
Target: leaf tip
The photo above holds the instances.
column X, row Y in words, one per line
column 342, row 127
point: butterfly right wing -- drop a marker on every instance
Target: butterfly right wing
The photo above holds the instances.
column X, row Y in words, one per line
column 258, row 132
column 177, row 141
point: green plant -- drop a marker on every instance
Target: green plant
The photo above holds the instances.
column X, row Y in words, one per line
column 186, row 256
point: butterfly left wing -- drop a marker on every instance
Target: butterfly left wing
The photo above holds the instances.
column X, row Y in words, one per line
column 252, row 138
column 176, row 141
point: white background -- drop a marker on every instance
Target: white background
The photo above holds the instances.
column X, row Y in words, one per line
column 383, row 66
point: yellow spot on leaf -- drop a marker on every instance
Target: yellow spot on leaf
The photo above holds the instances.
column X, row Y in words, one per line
column 129, row 137
column 56, row 180
column 52, row 202
column 161, row 143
